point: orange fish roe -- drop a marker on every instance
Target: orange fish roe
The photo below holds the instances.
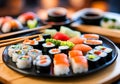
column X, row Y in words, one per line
column 43, row 61
column 81, row 60
column 32, row 42
column 48, row 43
column 74, row 53
column 55, row 50
column 13, row 23
column 37, row 39
column 42, row 57
column 26, row 40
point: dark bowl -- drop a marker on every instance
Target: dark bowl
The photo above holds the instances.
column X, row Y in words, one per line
column 91, row 16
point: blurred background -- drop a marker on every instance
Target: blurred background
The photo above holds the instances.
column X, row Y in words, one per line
column 16, row 7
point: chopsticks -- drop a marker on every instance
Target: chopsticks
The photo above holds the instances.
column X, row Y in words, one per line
column 25, row 31
column 16, row 40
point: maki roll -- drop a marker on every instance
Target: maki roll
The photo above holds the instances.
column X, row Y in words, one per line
column 102, row 55
column 54, row 51
column 33, row 43
column 47, row 46
column 106, row 50
column 93, row 61
column 46, row 36
column 16, row 54
column 24, row 62
column 93, row 43
column 79, row 64
column 42, row 64
column 41, row 40
column 64, row 49
column 91, row 36
column 34, row 53
column 26, row 48
column 61, row 64
column 11, row 25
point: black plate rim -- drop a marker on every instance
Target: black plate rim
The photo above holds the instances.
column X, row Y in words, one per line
column 66, row 76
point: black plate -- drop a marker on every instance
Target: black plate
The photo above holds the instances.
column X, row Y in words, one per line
column 31, row 72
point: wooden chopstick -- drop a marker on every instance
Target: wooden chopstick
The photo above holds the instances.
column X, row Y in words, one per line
column 25, row 31
column 98, row 30
column 18, row 40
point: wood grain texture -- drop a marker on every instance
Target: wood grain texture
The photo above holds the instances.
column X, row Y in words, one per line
column 106, row 75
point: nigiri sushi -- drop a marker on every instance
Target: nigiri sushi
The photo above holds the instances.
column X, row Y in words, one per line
column 61, row 64
column 79, row 64
column 91, row 36
column 11, row 25
column 83, row 47
column 77, row 40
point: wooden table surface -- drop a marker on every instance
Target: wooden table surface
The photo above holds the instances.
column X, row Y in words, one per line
column 106, row 75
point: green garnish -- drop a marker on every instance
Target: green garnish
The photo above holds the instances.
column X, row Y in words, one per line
column 32, row 23
column 91, row 56
column 67, row 43
column 105, row 19
column 56, row 42
column 114, row 20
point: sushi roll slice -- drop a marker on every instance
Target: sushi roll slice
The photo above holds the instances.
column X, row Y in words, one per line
column 42, row 64
column 79, row 64
column 16, row 54
column 64, row 49
column 47, row 46
column 82, row 47
column 93, row 43
column 11, row 25
column 102, row 55
column 107, row 50
column 41, row 40
column 46, row 36
column 34, row 53
column 13, row 48
column 23, row 18
column 93, row 61
column 54, row 51
column 74, row 53
column 61, row 64
column 91, row 36
column 26, row 48
column 24, row 62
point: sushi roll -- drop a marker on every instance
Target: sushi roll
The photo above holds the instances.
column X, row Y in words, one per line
column 61, row 64
column 46, row 36
column 91, row 36
column 102, row 55
column 12, row 48
column 93, row 43
column 41, row 40
column 26, row 48
column 16, row 54
column 47, row 46
column 23, row 18
column 11, row 25
column 79, row 64
column 93, row 61
column 106, row 50
column 34, row 53
column 24, row 62
column 74, row 53
column 64, row 49
column 42, row 64
column 54, row 51
column 33, row 43
column 82, row 47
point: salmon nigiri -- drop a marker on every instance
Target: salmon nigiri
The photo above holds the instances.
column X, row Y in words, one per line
column 74, row 53
column 91, row 36
column 77, row 40
column 83, row 47
column 79, row 64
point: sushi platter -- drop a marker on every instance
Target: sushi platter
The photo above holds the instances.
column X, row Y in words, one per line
column 64, row 53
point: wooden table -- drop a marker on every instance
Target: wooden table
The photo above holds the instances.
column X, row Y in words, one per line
column 106, row 75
